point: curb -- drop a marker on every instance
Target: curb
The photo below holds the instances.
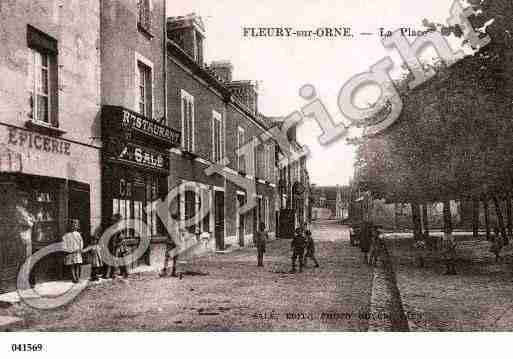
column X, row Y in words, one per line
column 386, row 308
column 8, row 323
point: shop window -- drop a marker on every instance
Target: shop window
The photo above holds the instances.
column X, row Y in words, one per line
column 217, row 137
column 145, row 90
column 188, row 140
column 42, row 77
column 44, row 207
column 132, row 197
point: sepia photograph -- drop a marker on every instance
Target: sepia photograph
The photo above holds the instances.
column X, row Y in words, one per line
column 295, row 169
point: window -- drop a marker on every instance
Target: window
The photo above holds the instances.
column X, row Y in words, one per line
column 198, row 49
column 192, row 197
column 187, row 122
column 241, row 141
column 132, row 195
column 39, row 86
column 217, row 137
column 268, row 162
column 144, row 14
column 258, row 160
column 145, row 90
column 42, row 77
column 266, row 213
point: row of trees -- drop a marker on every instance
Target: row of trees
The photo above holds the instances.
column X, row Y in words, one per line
column 454, row 138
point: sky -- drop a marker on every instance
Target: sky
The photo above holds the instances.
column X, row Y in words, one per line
column 282, row 65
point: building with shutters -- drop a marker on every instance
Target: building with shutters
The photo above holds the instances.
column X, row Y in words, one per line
column 217, row 116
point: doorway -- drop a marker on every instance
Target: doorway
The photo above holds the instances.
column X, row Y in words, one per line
column 79, row 207
column 219, row 219
column 240, row 220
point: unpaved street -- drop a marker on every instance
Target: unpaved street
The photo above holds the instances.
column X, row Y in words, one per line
column 236, row 295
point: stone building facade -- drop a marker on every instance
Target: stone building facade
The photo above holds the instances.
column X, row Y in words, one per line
column 216, row 117
column 50, row 153
column 106, row 106
column 136, row 124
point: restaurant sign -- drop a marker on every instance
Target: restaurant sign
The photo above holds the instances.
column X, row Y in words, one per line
column 132, row 124
column 118, row 150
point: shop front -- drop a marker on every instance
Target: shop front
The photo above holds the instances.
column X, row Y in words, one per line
column 135, row 171
column 44, row 182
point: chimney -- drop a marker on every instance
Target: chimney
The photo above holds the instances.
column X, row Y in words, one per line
column 222, row 69
column 246, row 92
column 188, row 32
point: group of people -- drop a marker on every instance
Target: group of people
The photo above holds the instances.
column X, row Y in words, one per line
column 302, row 246
column 73, row 244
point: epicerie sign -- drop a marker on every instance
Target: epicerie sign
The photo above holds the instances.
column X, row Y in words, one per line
column 27, row 139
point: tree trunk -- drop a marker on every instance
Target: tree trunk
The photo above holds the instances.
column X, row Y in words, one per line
column 475, row 218
column 508, row 213
column 487, row 218
column 415, row 216
column 498, row 211
column 426, row 220
column 447, row 217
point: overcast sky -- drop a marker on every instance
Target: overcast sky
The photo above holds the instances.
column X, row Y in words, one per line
column 283, row 65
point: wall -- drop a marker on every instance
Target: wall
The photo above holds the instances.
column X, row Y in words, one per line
column 120, row 40
column 75, row 25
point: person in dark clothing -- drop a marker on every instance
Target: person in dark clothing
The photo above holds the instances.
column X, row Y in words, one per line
column 261, row 239
column 298, row 249
column 310, row 247
column 497, row 244
column 171, row 254
column 365, row 240
column 376, row 246
column 449, row 246
column 118, row 247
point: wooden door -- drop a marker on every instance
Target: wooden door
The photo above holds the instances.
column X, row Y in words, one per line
column 219, row 219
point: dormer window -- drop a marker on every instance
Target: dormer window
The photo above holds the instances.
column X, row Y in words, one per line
column 144, row 15
column 198, row 51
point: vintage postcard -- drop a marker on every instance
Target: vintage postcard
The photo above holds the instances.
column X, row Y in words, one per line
column 272, row 166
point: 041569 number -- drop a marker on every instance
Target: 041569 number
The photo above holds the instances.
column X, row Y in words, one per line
column 27, row 347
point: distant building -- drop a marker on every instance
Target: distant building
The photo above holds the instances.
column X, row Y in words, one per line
column 330, row 202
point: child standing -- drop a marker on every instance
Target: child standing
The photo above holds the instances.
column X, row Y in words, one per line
column 74, row 244
column 94, row 258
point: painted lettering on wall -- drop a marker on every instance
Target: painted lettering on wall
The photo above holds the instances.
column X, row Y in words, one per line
column 27, row 139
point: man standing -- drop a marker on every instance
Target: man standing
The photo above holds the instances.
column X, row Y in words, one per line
column 298, row 249
column 171, row 254
column 365, row 239
column 261, row 238
column 310, row 246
